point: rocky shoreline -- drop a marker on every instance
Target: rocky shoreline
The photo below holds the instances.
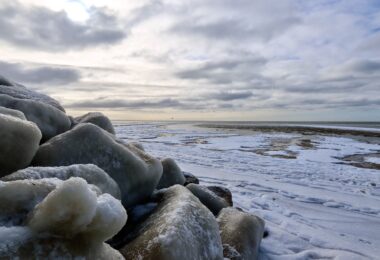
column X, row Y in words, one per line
column 70, row 188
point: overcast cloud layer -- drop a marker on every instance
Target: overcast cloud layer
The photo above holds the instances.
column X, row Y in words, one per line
column 203, row 59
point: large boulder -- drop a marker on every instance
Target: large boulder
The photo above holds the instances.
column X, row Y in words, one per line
column 19, row 141
column 190, row 178
column 91, row 173
column 61, row 219
column 241, row 233
column 98, row 119
column 12, row 112
column 171, row 174
column 16, row 90
column 212, row 201
column 49, row 119
column 222, row 192
column 180, row 227
column 136, row 173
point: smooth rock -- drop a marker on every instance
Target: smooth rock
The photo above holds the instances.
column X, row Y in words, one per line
column 49, row 119
column 213, row 202
column 136, row 172
column 180, row 227
column 241, row 232
column 91, row 173
column 19, row 141
column 98, row 119
column 16, row 90
column 222, row 192
column 171, row 174
column 12, row 112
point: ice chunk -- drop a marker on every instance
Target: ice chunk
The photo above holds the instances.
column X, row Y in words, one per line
column 171, row 174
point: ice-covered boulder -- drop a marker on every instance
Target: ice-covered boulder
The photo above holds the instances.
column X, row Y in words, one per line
column 12, row 112
column 212, row 201
column 241, row 233
column 180, row 227
column 19, row 141
column 171, row 174
column 16, row 90
column 60, row 219
column 136, row 172
column 91, row 173
column 98, row 119
column 190, row 178
column 49, row 119
column 222, row 192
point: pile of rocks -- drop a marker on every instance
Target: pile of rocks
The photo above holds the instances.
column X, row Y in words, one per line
column 68, row 183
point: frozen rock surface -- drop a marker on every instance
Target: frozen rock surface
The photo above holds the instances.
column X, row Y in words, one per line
column 98, row 119
column 49, row 119
column 12, row 112
column 179, row 228
column 222, row 192
column 59, row 219
column 241, row 232
column 16, row 90
column 91, row 173
column 171, row 174
column 136, row 173
column 212, row 201
column 19, row 141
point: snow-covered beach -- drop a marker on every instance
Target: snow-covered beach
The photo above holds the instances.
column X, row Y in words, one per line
column 315, row 201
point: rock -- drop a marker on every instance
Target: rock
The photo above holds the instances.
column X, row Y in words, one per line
column 12, row 112
column 19, row 91
column 138, row 145
column 241, row 232
column 98, row 119
column 222, row 192
column 49, row 120
column 62, row 219
column 19, row 141
column 190, row 178
column 136, row 173
column 91, row 173
column 213, row 202
column 179, row 228
column 171, row 174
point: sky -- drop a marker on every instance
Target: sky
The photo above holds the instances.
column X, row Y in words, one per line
column 267, row 60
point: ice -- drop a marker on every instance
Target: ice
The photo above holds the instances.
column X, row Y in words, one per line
column 315, row 205
column 375, row 160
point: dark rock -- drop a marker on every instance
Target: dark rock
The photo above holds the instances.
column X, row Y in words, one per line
column 171, row 174
column 98, row 119
column 190, row 178
column 223, row 193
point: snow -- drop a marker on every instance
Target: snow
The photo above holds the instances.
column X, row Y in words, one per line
column 314, row 206
column 375, row 160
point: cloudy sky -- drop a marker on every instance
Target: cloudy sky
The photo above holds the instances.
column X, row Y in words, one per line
column 199, row 59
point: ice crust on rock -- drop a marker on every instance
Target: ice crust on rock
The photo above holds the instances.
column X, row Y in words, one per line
column 19, row 141
column 136, row 172
column 240, row 231
column 212, row 201
column 179, row 228
column 63, row 219
column 98, row 119
column 12, row 112
column 50, row 120
column 16, row 90
column 171, row 174
column 91, row 173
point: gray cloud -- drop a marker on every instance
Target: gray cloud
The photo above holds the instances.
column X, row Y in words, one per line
column 121, row 103
column 38, row 74
column 229, row 96
column 40, row 28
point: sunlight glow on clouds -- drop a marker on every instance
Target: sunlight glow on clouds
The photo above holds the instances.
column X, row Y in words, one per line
column 204, row 59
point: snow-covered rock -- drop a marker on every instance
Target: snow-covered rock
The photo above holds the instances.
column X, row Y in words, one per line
column 136, row 172
column 61, row 219
column 241, row 232
column 98, row 119
column 179, row 228
column 12, row 112
column 19, row 141
column 16, row 90
column 91, row 173
column 212, row 201
column 50, row 120
column 171, row 174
